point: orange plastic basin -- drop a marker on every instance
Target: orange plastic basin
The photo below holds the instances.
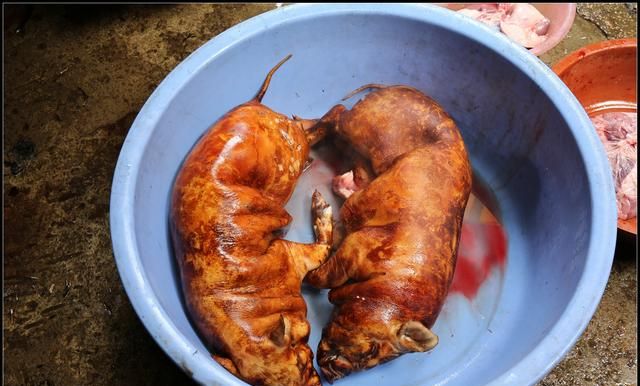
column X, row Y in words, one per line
column 602, row 76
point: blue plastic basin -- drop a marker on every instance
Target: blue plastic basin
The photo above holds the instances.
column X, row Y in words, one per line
column 529, row 140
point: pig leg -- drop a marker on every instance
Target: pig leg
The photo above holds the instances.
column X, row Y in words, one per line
column 308, row 257
column 352, row 260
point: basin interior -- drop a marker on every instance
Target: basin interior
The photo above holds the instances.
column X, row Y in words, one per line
column 520, row 147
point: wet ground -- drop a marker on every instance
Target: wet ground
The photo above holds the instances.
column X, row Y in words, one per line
column 75, row 78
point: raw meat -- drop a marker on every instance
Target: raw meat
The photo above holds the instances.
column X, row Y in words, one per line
column 525, row 25
column 627, row 195
column 486, row 13
column 521, row 22
column 619, row 134
column 344, row 185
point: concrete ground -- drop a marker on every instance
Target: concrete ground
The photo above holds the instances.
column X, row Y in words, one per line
column 75, row 78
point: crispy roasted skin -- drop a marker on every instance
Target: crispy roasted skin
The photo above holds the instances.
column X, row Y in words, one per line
column 241, row 283
column 391, row 274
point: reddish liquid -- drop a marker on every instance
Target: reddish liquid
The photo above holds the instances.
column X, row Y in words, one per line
column 482, row 248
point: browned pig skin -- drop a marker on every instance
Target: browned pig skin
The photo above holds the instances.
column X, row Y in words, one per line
column 241, row 283
column 391, row 274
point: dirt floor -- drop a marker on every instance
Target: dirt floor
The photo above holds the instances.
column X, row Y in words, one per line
column 75, row 78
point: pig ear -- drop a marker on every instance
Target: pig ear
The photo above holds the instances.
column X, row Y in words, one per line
column 280, row 333
column 415, row 337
